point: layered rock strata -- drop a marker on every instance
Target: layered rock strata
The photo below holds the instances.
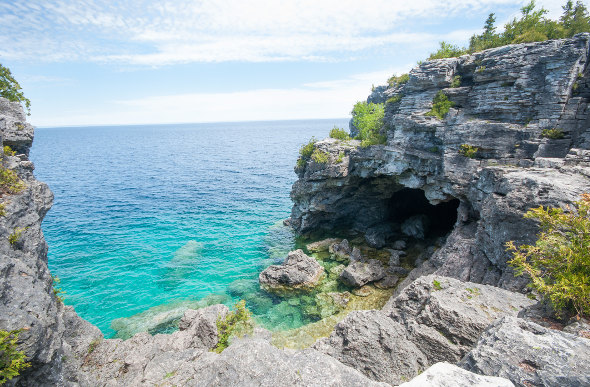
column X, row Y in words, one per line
column 507, row 98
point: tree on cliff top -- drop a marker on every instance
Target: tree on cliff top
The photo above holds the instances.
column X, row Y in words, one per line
column 11, row 90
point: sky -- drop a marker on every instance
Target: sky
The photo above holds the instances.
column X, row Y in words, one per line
column 148, row 62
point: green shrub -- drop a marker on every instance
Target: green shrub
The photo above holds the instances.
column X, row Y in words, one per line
column 436, row 285
column 92, row 346
column 440, row 105
column 447, row 50
column 10, row 89
column 456, row 81
column 340, row 158
column 57, row 291
column 12, row 361
column 395, row 99
column 468, row 150
column 14, row 238
column 394, row 80
column 480, row 69
column 368, row 118
column 305, row 152
column 2, row 209
column 553, row 134
column 8, row 151
column 558, row 264
column 236, row 323
column 339, row 134
column 10, row 182
column 320, row 156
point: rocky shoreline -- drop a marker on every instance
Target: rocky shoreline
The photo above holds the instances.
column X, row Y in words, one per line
column 454, row 311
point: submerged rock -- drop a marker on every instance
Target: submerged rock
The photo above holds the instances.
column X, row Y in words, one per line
column 529, row 354
column 359, row 273
column 298, row 272
column 340, row 251
column 323, row 245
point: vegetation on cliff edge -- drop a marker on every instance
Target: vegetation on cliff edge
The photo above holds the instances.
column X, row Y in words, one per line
column 532, row 26
column 368, row 119
column 11, row 90
column 12, row 361
column 558, row 264
column 236, row 323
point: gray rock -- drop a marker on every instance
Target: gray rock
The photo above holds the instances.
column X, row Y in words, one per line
column 298, row 272
column 377, row 236
column 416, row 226
column 388, row 282
column 323, row 245
column 445, row 317
column 448, row 375
column 340, row 251
column 530, row 355
column 399, row 245
column 377, row 346
column 257, row 363
column 360, row 273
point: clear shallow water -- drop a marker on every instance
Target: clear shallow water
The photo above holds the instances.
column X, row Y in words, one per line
column 150, row 215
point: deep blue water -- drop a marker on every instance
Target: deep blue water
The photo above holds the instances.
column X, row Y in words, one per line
column 148, row 215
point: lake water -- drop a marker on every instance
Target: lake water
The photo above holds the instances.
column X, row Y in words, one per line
column 159, row 216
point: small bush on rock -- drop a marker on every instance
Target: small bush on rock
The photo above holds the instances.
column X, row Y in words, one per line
column 236, row 323
column 339, row 134
column 8, row 151
column 11, row 90
column 456, row 81
column 558, row 264
column 320, row 157
column 368, row 118
column 553, row 134
column 10, row 182
column 447, row 50
column 395, row 99
column 440, row 105
column 12, row 361
column 305, row 152
column 468, row 150
column 394, row 80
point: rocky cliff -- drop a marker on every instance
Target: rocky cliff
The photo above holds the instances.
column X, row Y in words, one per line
column 505, row 102
column 417, row 190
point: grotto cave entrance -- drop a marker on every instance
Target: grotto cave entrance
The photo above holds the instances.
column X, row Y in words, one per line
column 408, row 203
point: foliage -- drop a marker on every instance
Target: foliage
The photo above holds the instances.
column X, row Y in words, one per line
column 558, row 264
column 468, row 150
column 237, row 322
column 554, row 134
column 395, row 80
column 92, row 346
column 368, row 118
column 340, row 158
column 320, row 156
column 15, row 236
column 10, row 182
column 480, row 69
column 531, row 26
column 447, row 50
column 8, row 151
column 440, row 105
column 12, row 361
column 2, row 209
column 339, row 134
column 305, row 152
column 456, row 82
column 10, row 89
column 57, row 291
column 436, row 285
column 395, row 99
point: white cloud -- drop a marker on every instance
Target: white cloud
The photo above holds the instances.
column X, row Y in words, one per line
column 180, row 31
column 329, row 99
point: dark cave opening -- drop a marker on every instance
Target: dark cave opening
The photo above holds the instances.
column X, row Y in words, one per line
column 408, row 202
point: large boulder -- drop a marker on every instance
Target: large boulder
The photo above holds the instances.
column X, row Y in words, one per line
column 375, row 345
column 530, row 355
column 449, row 375
column 445, row 316
column 360, row 273
column 298, row 272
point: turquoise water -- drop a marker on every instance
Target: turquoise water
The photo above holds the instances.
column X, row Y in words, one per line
column 152, row 215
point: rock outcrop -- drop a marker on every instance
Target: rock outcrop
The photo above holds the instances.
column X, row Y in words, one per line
column 435, row 319
column 298, row 272
column 530, row 355
column 449, row 375
column 508, row 96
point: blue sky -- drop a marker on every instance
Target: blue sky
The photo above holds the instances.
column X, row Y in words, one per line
column 134, row 62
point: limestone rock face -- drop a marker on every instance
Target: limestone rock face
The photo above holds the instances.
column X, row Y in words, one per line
column 375, row 345
column 434, row 319
column 299, row 271
column 528, row 354
column 508, row 96
column 449, row 375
